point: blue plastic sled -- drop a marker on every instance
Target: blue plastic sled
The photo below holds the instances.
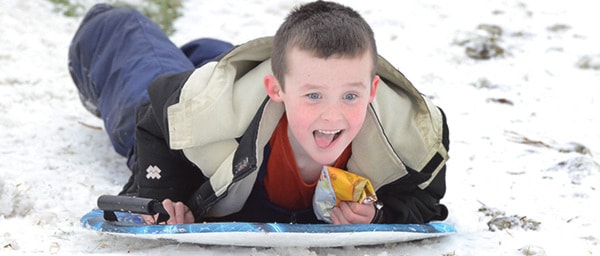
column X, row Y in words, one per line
column 266, row 234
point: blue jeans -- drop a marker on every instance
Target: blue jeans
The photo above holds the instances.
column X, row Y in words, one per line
column 114, row 56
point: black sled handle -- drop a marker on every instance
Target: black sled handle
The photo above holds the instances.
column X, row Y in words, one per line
column 111, row 204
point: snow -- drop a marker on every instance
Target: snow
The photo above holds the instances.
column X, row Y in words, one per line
column 524, row 135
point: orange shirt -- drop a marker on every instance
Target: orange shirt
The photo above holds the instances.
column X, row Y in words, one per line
column 283, row 183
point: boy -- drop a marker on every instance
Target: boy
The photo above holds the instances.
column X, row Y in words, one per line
column 214, row 144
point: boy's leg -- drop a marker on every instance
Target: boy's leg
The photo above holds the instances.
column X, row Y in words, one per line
column 201, row 51
column 114, row 55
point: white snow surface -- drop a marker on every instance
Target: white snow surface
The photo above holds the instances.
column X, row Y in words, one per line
column 525, row 131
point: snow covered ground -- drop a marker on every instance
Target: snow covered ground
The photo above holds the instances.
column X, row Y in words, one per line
column 525, row 132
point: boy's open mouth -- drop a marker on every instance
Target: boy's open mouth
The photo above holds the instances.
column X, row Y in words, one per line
column 324, row 138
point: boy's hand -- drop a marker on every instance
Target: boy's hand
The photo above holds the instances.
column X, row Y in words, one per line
column 179, row 213
column 352, row 213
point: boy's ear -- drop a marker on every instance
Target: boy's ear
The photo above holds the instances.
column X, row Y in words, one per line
column 374, row 86
column 273, row 88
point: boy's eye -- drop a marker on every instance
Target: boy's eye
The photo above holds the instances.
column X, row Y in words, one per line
column 350, row 96
column 313, row 96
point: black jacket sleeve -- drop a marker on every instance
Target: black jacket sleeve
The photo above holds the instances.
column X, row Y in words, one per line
column 403, row 200
column 158, row 171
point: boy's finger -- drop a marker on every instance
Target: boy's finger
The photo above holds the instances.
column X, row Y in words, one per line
column 168, row 205
column 337, row 216
column 148, row 219
column 189, row 216
column 179, row 213
column 355, row 212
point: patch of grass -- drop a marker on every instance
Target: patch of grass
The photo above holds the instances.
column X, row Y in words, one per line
column 67, row 8
column 163, row 12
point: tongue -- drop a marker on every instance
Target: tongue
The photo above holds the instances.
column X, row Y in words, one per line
column 323, row 140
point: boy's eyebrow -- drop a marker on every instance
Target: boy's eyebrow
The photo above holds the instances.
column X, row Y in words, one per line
column 319, row 86
column 357, row 84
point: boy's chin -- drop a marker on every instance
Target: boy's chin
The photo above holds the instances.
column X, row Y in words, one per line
column 328, row 158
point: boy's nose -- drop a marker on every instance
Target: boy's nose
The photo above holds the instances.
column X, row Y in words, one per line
column 331, row 113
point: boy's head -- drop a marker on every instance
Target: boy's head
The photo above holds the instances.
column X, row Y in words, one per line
column 325, row 54
column 325, row 29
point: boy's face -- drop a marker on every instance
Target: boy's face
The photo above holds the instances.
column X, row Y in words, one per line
column 325, row 101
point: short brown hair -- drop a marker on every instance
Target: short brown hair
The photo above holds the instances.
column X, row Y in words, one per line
column 325, row 29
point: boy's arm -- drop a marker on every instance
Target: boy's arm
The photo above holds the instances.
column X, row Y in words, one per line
column 159, row 172
column 405, row 202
